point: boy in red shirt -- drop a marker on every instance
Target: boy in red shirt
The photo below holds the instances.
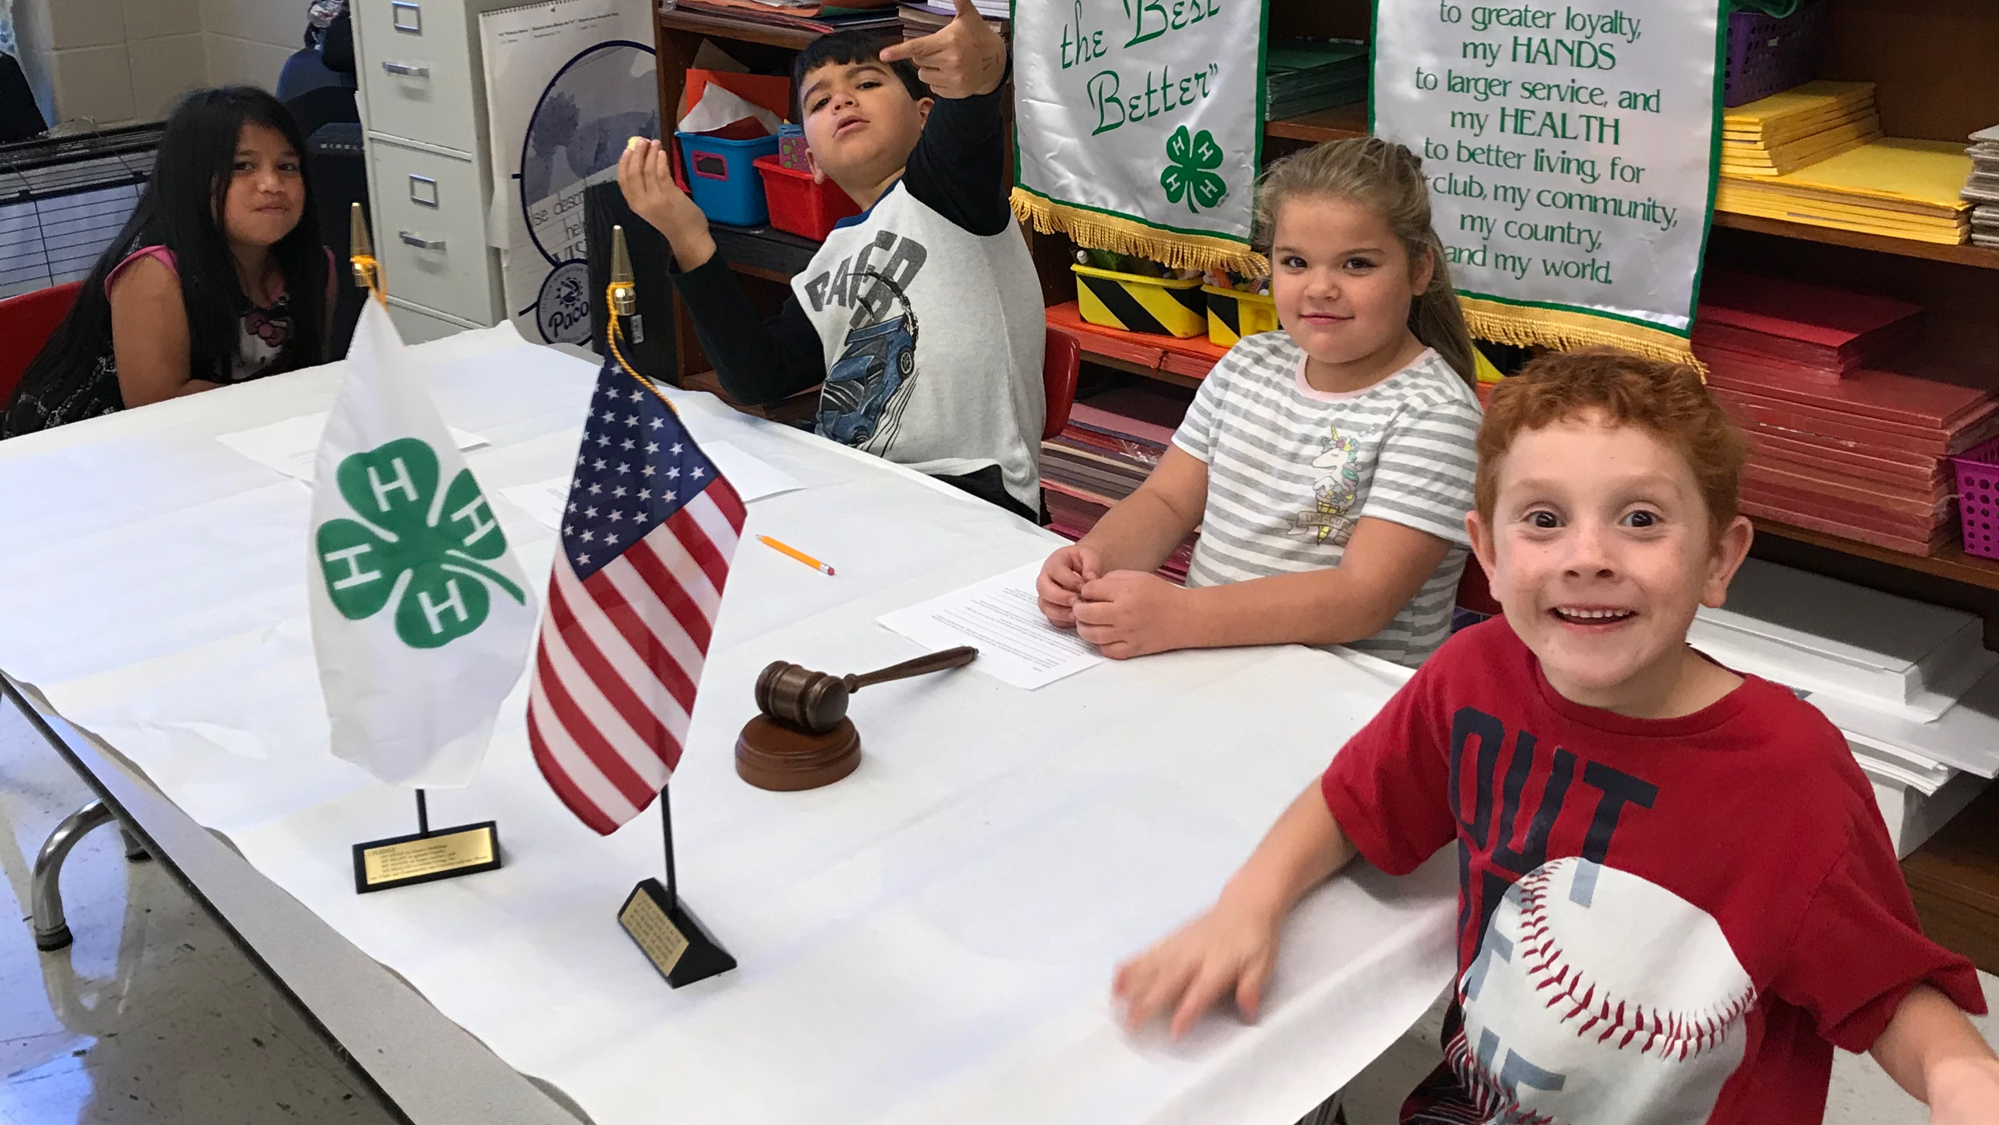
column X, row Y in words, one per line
column 1676, row 894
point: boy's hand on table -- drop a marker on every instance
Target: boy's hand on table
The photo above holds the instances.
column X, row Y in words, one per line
column 1129, row 613
column 645, row 175
column 964, row 59
column 1228, row 949
column 1061, row 582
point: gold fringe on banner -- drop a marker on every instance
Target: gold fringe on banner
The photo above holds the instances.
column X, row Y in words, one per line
column 1120, row 235
column 1562, row 329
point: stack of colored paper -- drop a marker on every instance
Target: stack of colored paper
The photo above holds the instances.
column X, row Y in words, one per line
column 1896, row 188
column 1849, row 434
column 1866, row 458
column 1304, row 75
column 1799, row 127
column 1982, row 189
column 1792, row 332
column 1112, row 442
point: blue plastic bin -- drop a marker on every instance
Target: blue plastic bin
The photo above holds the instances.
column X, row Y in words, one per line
column 722, row 177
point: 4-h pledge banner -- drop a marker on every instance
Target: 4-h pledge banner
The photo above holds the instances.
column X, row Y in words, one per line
column 1139, row 125
column 1571, row 151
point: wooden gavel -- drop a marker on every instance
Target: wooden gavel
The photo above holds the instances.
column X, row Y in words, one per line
column 817, row 701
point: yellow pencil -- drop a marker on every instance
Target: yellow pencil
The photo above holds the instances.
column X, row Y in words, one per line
column 801, row 556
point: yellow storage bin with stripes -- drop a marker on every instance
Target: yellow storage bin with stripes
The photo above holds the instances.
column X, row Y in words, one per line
column 1163, row 306
column 1233, row 314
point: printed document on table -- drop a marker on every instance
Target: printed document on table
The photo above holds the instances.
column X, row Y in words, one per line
column 1000, row 617
column 543, row 500
column 292, row 446
column 752, row 477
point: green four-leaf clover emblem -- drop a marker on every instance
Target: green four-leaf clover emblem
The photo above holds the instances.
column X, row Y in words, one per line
column 413, row 550
column 1190, row 170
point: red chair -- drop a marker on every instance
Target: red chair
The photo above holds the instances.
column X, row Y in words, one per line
column 1058, row 377
column 1474, row 593
column 27, row 321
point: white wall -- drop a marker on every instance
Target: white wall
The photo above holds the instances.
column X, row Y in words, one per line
column 248, row 41
column 108, row 62
column 113, row 62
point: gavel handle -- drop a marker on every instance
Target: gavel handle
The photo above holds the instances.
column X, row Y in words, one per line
column 922, row 665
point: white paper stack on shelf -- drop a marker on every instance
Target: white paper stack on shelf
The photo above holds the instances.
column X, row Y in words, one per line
column 1982, row 190
column 1910, row 684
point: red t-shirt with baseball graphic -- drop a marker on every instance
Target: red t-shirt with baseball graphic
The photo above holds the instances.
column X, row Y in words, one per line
column 1658, row 920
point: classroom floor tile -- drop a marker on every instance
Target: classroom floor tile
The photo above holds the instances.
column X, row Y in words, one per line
column 154, row 1017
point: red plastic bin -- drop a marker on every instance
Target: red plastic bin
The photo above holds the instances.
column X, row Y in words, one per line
column 800, row 206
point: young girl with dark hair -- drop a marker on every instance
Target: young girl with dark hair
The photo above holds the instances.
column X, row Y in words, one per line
column 219, row 276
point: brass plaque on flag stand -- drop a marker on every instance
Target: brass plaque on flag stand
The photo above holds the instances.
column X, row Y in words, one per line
column 424, row 857
column 671, row 937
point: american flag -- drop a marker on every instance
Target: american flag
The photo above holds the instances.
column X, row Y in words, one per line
column 647, row 535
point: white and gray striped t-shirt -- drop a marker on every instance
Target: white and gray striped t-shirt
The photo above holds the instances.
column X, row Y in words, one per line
column 1292, row 469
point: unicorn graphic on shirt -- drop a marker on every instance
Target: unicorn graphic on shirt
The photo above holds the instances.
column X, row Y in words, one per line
column 1334, row 493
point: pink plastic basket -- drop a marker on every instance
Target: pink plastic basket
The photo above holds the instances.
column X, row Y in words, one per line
column 1978, row 498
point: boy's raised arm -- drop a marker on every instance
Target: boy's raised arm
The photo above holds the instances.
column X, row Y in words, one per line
column 958, row 167
column 963, row 59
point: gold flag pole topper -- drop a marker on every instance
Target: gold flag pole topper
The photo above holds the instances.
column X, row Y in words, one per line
column 361, row 255
column 621, row 299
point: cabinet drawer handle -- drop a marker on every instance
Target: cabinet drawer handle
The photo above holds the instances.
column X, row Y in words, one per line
column 413, row 70
column 419, row 241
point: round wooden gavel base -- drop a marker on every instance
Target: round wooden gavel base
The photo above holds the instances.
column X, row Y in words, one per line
column 772, row 755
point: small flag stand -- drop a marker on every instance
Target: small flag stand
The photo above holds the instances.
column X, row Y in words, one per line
column 400, row 861
column 676, row 942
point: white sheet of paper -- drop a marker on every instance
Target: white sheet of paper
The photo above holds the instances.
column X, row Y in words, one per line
column 1000, row 616
column 543, row 500
column 752, row 477
column 292, row 446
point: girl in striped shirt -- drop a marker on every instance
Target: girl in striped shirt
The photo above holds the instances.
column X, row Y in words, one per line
column 1328, row 465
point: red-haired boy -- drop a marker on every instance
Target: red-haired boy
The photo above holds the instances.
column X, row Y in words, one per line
column 1676, row 894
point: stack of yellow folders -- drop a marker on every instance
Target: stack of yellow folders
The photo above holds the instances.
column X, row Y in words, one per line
column 1896, row 188
column 1801, row 126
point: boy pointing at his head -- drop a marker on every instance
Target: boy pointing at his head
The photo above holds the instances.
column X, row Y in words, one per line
column 921, row 317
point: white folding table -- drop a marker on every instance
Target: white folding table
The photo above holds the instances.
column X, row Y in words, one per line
column 928, row 940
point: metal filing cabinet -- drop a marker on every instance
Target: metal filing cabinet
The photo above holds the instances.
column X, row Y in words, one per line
column 423, row 104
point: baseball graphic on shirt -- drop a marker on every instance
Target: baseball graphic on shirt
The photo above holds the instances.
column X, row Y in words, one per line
column 1600, row 998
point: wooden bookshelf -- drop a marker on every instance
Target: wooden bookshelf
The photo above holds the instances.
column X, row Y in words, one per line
column 1963, row 255
column 1180, row 362
column 1954, row 879
column 1337, row 123
column 739, row 30
column 1950, row 562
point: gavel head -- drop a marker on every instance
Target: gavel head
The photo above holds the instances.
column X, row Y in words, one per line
column 800, row 697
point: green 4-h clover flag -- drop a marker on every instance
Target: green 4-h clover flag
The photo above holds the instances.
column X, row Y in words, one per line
column 421, row 618
column 1139, row 125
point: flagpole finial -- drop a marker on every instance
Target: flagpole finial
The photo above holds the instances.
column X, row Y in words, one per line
column 624, row 295
column 359, row 248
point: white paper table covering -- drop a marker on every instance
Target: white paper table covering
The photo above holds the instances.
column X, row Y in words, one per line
column 930, row 939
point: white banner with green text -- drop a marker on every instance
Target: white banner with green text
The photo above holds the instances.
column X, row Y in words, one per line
column 1139, row 125
column 1571, row 151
